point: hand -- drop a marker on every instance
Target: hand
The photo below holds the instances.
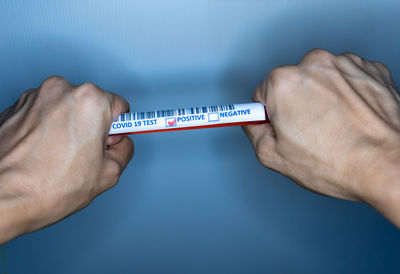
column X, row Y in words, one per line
column 55, row 153
column 335, row 128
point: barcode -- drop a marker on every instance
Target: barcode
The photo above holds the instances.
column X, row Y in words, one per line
column 172, row 112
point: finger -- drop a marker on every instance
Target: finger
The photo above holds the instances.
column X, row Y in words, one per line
column 383, row 70
column 258, row 94
column 355, row 58
column 355, row 66
column 18, row 104
column 116, row 158
column 256, row 132
column 121, row 152
column 262, row 136
column 263, row 140
column 113, row 139
column 23, row 99
column 386, row 75
column 4, row 115
column 118, row 105
column 261, row 92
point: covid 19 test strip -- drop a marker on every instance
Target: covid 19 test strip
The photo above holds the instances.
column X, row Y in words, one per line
column 189, row 118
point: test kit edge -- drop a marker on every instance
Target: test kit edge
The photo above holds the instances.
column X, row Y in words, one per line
column 189, row 118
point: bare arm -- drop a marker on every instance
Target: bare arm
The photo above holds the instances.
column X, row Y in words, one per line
column 335, row 128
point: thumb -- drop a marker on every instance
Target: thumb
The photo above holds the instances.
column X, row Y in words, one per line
column 262, row 137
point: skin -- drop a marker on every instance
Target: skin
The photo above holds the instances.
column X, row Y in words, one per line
column 335, row 128
column 55, row 154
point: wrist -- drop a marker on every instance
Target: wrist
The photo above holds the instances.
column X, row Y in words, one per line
column 383, row 188
column 14, row 209
column 13, row 222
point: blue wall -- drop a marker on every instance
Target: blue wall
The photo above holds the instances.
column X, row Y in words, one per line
column 196, row 201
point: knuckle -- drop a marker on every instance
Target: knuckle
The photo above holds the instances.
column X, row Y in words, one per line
column 349, row 54
column 283, row 78
column 319, row 55
column 26, row 93
column 89, row 89
column 51, row 87
column 353, row 57
column 89, row 93
column 381, row 66
column 282, row 74
column 52, row 81
column 89, row 86
column 22, row 99
column 55, row 78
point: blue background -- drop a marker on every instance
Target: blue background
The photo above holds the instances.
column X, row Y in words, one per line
column 196, row 201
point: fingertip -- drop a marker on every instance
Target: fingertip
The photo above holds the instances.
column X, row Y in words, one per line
column 130, row 147
column 113, row 139
column 247, row 130
column 257, row 92
column 255, row 132
column 122, row 152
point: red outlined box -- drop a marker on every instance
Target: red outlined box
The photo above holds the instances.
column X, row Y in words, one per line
column 170, row 122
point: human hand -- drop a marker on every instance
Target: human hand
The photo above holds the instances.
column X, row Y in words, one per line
column 335, row 128
column 56, row 155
